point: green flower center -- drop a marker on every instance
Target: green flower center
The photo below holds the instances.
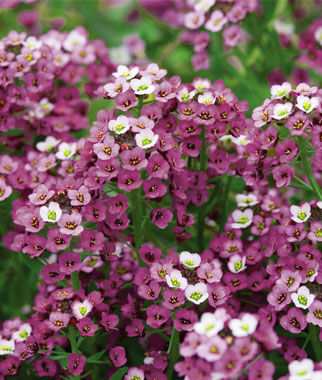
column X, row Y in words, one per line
column 238, row 265
column 302, row 373
column 243, row 220
column 6, row 348
column 67, row 152
column 146, row 141
column 83, row 310
column 196, row 296
column 282, row 112
column 23, row 334
column 307, row 106
column 318, row 233
column 185, row 96
column 51, row 215
column 135, row 377
column 301, row 215
column 302, row 300
column 244, row 327
column 209, row 327
column 248, row 200
column 175, row 282
column 142, row 87
column 281, row 92
column 189, row 263
column 119, row 127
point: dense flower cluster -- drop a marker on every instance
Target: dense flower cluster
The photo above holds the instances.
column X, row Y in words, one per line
column 212, row 15
column 92, row 213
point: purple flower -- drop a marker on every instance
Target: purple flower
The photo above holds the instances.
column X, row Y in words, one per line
column 58, row 320
column 286, row 151
column 134, row 373
column 56, row 240
column 133, row 159
column 315, row 313
column 154, row 188
column 109, row 321
column 294, row 321
column 51, row 273
column 70, row 224
column 45, row 367
column 161, row 217
column 157, row 316
column 261, row 370
column 92, row 241
column 76, row 363
column 283, row 175
column 35, row 245
column 69, row 262
column 117, row 355
column 129, row 180
column 86, row 327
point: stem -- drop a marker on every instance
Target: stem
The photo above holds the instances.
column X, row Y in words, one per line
column 136, row 208
column 173, row 351
column 315, row 342
column 307, row 168
column 75, row 280
column 251, row 363
column 201, row 215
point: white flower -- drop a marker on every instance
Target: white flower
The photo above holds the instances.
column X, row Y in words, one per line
column 201, row 84
column 244, row 326
column 242, row 219
column 146, row 139
column 211, row 323
column 305, row 89
column 33, row 43
column 216, row 21
column 43, row 108
column 318, row 35
column 23, row 333
column 81, row 309
column 120, row 55
column 319, row 204
column 74, row 39
column 66, row 150
column 196, row 293
column 281, row 111
column 176, row 280
column 7, row 346
column 301, row 214
column 301, row 370
column 240, row 140
column 282, row 27
column 184, row 95
column 236, row 263
column 142, row 86
column 127, row 73
column 306, row 104
column 279, row 91
column 302, row 298
column 48, row 144
column 190, row 260
column 204, row 5
column 120, row 125
column 317, row 375
column 246, row 200
column 206, row 98
column 52, row 213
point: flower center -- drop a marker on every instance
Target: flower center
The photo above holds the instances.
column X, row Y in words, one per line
column 23, row 334
column 119, row 127
column 243, row 220
column 301, row 215
column 146, row 141
column 306, row 106
column 51, row 215
column 238, row 265
column 83, row 310
column 302, row 300
column 67, row 152
column 196, row 296
column 142, row 87
column 175, row 282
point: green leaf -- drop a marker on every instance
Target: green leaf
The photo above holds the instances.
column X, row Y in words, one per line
column 95, row 357
column 34, row 264
column 118, row 375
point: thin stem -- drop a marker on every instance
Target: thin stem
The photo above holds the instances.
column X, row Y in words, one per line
column 75, row 280
column 307, row 168
column 201, row 215
column 173, row 351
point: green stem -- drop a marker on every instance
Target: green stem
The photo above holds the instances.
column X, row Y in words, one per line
column 136, row 209
column 201, row 215
column 173, row 351
column 75, row 280
column 307, row 168
column 315, row 342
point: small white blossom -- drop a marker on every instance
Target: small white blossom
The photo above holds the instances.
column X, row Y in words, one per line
column 176, row 280
column 142, row 86
column 242, row 219
column 302, row 298
column 33, row 43
column 301, row 214
column 236, row 263
column 74, row 40
column 282, row 27
column 204, row 5
column 7, row 346
column 244, row 326
column 241, row 140
column 120, row 55
column 81, row 309
column 281, row 111
column 318, row 35
column 206, row 98
column 47, row 145
column 279, row 91
column 190, row 260
column 184, row 95
column 301, row 370
column 306, row 104
column 120, row 125
column 211, row 323
column 42, row 108
column 196, row 293
column 23, row 333
column 123, row 71
column 246, row 200
column 66, row 150
column 305, row 89
column 52, row 213
column 146, row 139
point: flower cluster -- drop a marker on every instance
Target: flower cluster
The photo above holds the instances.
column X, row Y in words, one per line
column 127, row 255
column 213, row 16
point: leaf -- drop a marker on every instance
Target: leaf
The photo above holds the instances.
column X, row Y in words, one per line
column 95, row 357
column 118, row 375
column 34, row 264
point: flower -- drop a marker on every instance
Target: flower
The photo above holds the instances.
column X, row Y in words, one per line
column 301, row 370
column 306, row 104
column 76, row 363
column 23, row 333
column 190, row 260
column 242, row 219
column 52, row 213
column 196, row 293
column 176, row 280
column 237, row 263
column 47, row 145
column 281, row 111
column 134, row 373
column 81, row 309
column 66, row 151
column 123, row 71
column 279, row 91
column 7, row 346
column 301, row 214
column 216, row 21
column 211, row 323
column 146, row 139
column 142, row 86
column 119, row 126
column 243, row 326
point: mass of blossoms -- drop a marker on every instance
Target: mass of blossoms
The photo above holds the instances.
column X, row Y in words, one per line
column 180, row 239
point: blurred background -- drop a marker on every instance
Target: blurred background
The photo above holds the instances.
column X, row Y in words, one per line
column 150, row 30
